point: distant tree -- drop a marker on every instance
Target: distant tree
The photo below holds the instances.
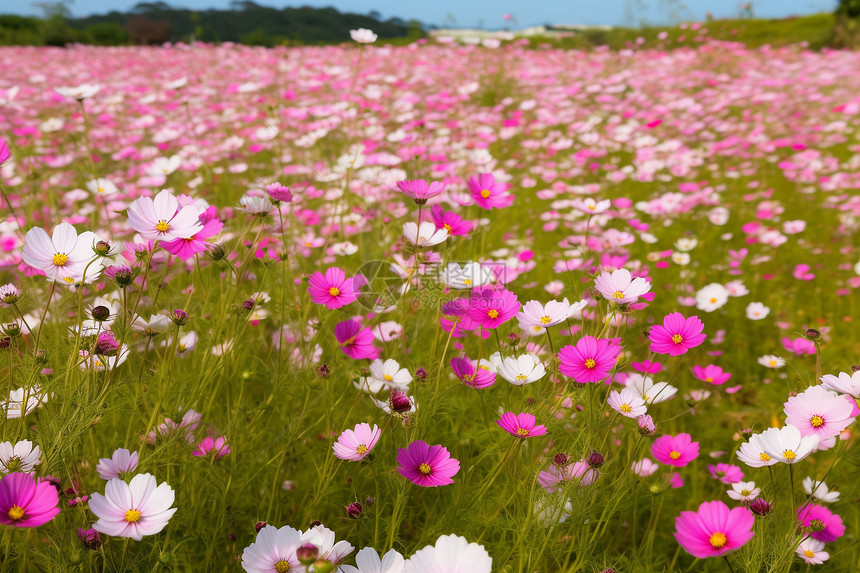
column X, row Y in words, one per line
column 144, row 7
column 146, row 31
column 846, row 31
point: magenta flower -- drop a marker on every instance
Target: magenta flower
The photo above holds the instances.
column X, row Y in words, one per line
column 185, row 249
column 799, row 346
column 492, row 307
column 355, row 445
column 471, row 374
column 5, row 154
column 218, row 446
column 450, row 221
column 355, row 340
column 520, row 425
column 675, row 451
column 711, row 374
column 677, row 335
column 590, row 360
column 647, row 367
column 425, row 465
column 489, row 193
column 819, row 411
column 826, row 526
column 278, row 192
column 420, row 190
column 333, row 289
column 27, row 502
column 726, row 473
column 714, row 530
column 161, row 219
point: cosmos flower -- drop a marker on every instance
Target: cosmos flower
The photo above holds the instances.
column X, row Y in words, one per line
column 819, row 490
column 64, row 256
column 161, row 219
column 799, row 346
column 590, row 360
column 744, row 491
column 677, row 335
column 538, row 317
column 355, row 340
column 675, row 451
column 26, row 501
column 273, row 551
column 645, row 467
column 468, row 276
column 711, row 374
column 473, row 374
column 363, row 36
column 450, row 221
column 520, row 425
column 844, row 383
column 425, row 465
column 619, row 287
column 826, row 526
column 714, row 529
column 489, row 193
column 558, row 476
column 368, row 561
column 450, row 554
column 491, row 307
column 628, row 403
column 120, row 464
column 757, row 311
column 787, row 444
column 819, row 411
column 133, row 509
column 80, row 93
column 217, row 446
column 651, row 392
column 424, row 235
column 22, row 457
column 726, row 473
column 770, row 361
column 420, row 190
column 812, row 551
column 355, row 445
column 324, row 539
column 752, row 453
column 711, row 297
column 518, row 370
column 332, row 289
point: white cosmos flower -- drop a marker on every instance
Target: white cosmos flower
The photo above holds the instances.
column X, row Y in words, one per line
column 368, row 561
column 650, row 391
column 628, row 403
column 164, row 166
column 812, row 551
column 537, row 317
column 771, row 361
column 427, row 235
column 363, row 36
column 35, row 397
column 757, row 311
column 324, row 539
column 22, row 457
column 819, row 490
column 390, row 374
column 64, row 256
column 737, row 288
column 711, row 297
column 787, row 445
column 255, row 205
column 752, row 453
column 81, row 92
column 744, row 491
column 619, row 286
column 161, row 218
column 102, row 186
column 274, row 549
column 140, row 507
column 519, row 370
column 681, row 258
column 451, row 554
column 592, row 207
column 685, row 244
column 844, row 384
column 470, row 275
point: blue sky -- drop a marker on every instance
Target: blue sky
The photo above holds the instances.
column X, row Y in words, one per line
column 488, row 13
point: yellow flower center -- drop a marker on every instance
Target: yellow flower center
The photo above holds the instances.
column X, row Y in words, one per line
column 69, row 280
column 361, row 449
column 745, row 492
column 425, row 469
column 618, row 294
column 467, row 282
column 772, row 363
column 713, row 300
column 789, row 454
column 522, row 432
column 717, row 540
column 677, row 338
column 674, row 454
column 709, row 379
column 101, row 189
column 132, row 516
column 590, row 363
column 162, row 226
column 538, row 328
column 282, row 566
column 545, row 319
column 387, row 377
column 493, row 313
column 625, row 408
column 764, row 457
column 447, row 227
column 522, row 377
column 334, row 291
column 809, row 553
column 485, row 193
column 60, row 260
column 816, row 421
column 16, row 513
column 592, row 207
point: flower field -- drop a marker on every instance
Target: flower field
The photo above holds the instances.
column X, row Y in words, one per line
column 429, row 309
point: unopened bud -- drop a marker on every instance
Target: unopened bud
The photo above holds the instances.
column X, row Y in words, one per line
column 180, row 317
column 218, row 253
column 323, row 371
column 249, row 304
column 354, row 510
column 513, row 339
column 595, row 459
column 307, row 554
column 100, row 313
column 760, row 507
column 560, row 460
column 399, row 402
column 5, row 342
column 421, row 374
column 260, row 525
column 321, row 566
column 102, row 248
column 13, row 329
column 813, row 333
column 855, row 368
column 368, row 502
column 90, row 538
column 646, row 425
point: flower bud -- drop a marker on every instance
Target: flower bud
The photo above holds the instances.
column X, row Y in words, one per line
column 855, row 368
column 122, row 275
column 102, row 248
column 90, row 538
column 813, row 333
column 278, row 193
column 513, row 339
column 307, row 554
column 249, row 304
column 368, row 502
column 560, row 459
column 9, row 295
column 421, row 374
column 353, row 510
column 218, row 253
column 5, row 342
column 13, row 329
column 760, row 507
column 399, row 402
column 321, row 566
column 100, row 313
column 595, row 459
column 646, row 425
column 106, row 345
column 259, row 525
column 180, row 317
column 323, row 371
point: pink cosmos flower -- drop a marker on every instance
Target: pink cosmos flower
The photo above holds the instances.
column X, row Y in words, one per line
column 278, row 192
column 520, row 425
column 162, row 220
column 218, row 446
column 333, row 289
column 714, row 530
column 579, row 472
column 133, row 509
column 450, row 221
column 590, row 360
column 355, row 340
column 425, row 465
column 799, row 346
column 121, row 462
column 489, row 193
column 491, row 307
column 675, row 451
column 711, row 374
column 726, row 473
column 27, row 502
column 5, row 154
column 471, row 373
column 620, row 288
column 647, row 367
column 819, row 411
column 186, row 248
column 677, row 335
column 355, row 445
column 420, row 190
column 826, row 526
